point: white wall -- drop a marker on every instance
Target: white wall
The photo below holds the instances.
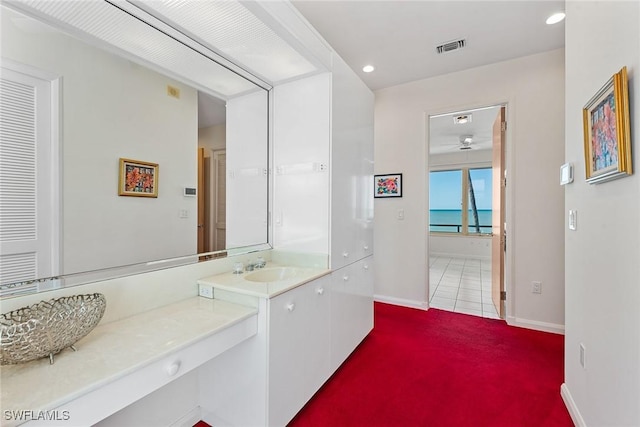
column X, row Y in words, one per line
column 459, row 246
column 602, row 268
column 302, row 135
column 213, row 137
column 461, row 159
column 533, row 88
column 114, row 108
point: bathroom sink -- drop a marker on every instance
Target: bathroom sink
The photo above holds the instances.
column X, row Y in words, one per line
column 274, row 274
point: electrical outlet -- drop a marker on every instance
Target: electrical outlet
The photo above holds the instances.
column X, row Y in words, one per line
column 205, row 291
column 536, row 287
column 582, row 355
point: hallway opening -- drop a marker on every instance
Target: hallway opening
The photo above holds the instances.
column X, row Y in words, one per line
column 466, row 216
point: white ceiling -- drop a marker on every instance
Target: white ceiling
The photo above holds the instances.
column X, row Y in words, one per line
column 400, row 37
column 444, row 133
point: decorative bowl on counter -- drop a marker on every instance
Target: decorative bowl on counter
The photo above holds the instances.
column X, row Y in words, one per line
column 48, row 327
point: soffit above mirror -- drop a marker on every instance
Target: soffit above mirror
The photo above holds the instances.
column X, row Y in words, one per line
column 132, row 37
column 226, row 32
column 230, row 29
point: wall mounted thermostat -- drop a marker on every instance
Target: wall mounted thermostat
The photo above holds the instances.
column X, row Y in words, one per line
column 189, row 191
column 566, row 174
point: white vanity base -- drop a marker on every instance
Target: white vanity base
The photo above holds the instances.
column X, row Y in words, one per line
column 120, row 362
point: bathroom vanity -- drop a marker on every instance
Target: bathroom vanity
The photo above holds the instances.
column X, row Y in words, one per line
column 258, row 351
column 308, row 327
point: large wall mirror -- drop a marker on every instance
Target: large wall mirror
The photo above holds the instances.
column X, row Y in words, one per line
column 86, row 85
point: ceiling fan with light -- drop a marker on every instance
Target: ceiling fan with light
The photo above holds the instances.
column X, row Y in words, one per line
column 465, row 142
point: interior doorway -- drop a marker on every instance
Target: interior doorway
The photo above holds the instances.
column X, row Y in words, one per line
column 466, row 216
column 211, row 175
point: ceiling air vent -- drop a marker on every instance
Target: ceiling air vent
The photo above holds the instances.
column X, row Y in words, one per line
column 450, row 46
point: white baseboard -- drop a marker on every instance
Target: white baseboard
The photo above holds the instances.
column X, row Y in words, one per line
column 422, row 305
column 189, row 419
column 536, row 325
column 571, row 406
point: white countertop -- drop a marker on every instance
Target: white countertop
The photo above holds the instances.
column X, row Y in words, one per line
column 113, row 350
column 238, row 282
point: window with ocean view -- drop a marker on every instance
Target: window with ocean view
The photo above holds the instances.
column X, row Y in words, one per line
column 450, row 211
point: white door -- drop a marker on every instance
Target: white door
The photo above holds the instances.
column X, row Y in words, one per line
column 498, row 241
column 219, row 198
column 28, row 188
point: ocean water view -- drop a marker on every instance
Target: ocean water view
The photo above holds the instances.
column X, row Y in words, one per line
column 450, row 220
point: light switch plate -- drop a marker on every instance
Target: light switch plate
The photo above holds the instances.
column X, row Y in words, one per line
column 573, row 220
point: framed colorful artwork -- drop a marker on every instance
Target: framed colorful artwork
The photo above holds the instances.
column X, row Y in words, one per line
column 607, row 140
column 138, row 178
column 389, row 185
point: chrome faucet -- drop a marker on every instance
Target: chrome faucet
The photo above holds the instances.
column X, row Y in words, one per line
column 259, row 263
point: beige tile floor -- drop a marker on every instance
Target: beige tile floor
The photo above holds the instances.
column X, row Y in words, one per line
column 461, row 285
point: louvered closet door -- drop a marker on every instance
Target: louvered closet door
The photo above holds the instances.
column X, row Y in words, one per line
column 25, row 177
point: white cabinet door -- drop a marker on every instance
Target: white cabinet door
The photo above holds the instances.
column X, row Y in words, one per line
column 363, row 308
column 364, row 192
column 351, row 167
column 344, row 177
column 351, row 308
column 301, row 134
column 299, row 348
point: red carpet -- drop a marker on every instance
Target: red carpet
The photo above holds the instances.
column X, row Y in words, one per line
column 437, row 368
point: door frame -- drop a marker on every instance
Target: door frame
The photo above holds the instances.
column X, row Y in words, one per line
column 56, row 225
column 508, row 148
column 214, row 194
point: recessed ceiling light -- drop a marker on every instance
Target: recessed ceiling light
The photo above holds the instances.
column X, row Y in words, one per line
column 555, row 18
column 462, row 119
column 368, row 68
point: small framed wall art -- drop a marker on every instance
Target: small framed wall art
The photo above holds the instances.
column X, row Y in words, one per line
column 389, row 185
column 138, row 178
column 607, row 140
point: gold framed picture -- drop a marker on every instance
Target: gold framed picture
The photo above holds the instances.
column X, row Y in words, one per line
column 139, row 179
column 607, row 137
